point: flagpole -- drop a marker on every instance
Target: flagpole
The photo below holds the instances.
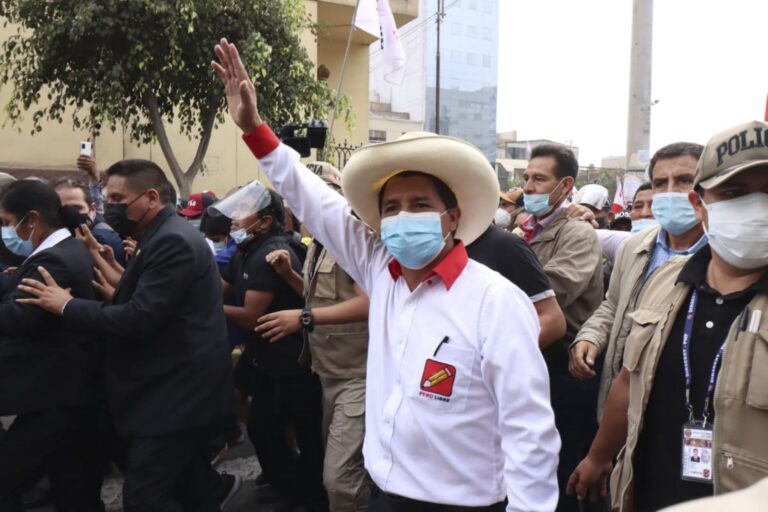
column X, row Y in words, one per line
column 343, row 67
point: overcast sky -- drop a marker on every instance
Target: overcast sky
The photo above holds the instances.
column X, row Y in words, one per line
column 564, row 70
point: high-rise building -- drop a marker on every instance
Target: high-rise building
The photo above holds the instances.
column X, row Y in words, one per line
column 468, row 71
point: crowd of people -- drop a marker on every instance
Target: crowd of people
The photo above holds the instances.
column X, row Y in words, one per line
column 401, row 336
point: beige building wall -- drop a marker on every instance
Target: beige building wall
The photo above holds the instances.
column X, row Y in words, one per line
column 394, row 128
column 228, row 162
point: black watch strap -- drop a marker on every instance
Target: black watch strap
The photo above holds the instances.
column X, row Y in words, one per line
column 307, row 320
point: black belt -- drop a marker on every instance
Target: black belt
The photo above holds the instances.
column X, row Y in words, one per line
column 402, row 503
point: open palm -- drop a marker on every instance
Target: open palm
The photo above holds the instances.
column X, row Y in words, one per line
column 241, row 94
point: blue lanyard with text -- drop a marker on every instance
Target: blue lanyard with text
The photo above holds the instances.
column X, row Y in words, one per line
column 687, row 330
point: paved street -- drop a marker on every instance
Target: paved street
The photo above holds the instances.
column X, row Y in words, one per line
column 240, row 461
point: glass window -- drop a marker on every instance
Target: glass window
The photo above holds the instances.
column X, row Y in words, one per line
column 377, row 136
column 472, row 59
column 486, row 61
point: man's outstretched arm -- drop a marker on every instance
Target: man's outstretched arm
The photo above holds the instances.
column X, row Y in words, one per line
column 324, row 212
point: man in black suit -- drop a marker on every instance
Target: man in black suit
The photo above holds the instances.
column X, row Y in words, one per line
column 49, row 372
column 167, row 361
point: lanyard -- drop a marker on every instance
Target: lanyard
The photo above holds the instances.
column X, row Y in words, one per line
column 688, row 329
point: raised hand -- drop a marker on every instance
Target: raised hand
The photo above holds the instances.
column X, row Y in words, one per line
column 83, row 233
column 241, row 94
column 280, row 261
column 88, row 164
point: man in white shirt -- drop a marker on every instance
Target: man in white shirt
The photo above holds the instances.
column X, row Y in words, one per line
column 457, row 402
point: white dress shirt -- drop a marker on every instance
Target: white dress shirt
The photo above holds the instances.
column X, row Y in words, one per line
column 467, row 424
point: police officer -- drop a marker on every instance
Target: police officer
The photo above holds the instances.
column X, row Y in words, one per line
column 283, row 390
column 334, row 324
column 695, row 357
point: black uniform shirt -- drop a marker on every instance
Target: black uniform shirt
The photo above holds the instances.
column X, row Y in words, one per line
column 659, row 449
column 512, row 257
column 249, row 270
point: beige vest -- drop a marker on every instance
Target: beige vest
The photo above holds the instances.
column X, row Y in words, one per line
column 740, row 445
column 338, row 351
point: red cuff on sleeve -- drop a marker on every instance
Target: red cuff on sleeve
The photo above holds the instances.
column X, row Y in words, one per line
column 261, row 141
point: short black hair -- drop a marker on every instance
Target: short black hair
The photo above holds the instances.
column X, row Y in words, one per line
column 275, row 210
column 444, row 192
column 675, row 150
column 215, row 224
column 142, row 175
column 566, row 163
column 69, row 183
column 643, row 186
column 22, row 197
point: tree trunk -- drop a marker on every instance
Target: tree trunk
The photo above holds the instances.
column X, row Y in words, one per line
column 184, row 180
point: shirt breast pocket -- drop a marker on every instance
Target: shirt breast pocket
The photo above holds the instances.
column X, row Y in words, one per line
column 644, row 324
column 445, row 379
column 757, row 389
column 325, row 287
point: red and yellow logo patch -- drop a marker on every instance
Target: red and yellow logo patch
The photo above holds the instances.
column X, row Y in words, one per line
column 438, row 378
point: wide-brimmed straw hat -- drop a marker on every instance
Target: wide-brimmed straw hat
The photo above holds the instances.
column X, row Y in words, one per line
column 457, row 163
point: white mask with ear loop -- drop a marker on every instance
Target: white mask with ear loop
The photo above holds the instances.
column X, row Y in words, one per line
column 738, row 230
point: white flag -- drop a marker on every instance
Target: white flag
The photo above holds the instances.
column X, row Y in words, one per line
column 619, row 204
column 367, row 17
column 376, row 18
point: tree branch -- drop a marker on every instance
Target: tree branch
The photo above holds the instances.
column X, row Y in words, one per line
column 205, row 139
column 150, row 101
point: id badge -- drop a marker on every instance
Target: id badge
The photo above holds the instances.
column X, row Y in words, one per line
column 697, row 453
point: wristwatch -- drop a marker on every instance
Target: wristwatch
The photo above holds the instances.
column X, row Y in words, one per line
column 307, row 320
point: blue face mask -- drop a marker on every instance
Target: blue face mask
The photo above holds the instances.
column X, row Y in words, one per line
column 220, row 246
column 674, row 212
column 241, row 236
column 14, row 243
column 641, row 224
column 414, row 239
column 538, row 204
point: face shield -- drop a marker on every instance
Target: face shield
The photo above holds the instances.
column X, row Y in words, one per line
column 243, row 203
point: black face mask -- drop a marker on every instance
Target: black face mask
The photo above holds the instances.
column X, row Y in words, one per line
column 116, row 215
column 86, row 219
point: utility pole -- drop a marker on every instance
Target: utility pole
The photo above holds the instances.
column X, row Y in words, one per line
column 440, row 14
column 639, row 118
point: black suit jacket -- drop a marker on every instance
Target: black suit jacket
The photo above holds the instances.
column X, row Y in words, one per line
column 43, row 362
column 167, row 360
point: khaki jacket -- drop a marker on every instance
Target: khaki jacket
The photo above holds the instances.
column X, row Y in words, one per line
column 740, row 446
column 608, row 326
column 338, row 351
column 752, row 499
column 572, row 259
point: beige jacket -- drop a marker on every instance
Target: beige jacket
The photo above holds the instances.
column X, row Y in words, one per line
column 751, row 499
column 338, row 351
column 572, row 259
column 740, row 439
column 608, row 326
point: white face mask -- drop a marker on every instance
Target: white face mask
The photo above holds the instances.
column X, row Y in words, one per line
column 738, row 230
column 502, row 218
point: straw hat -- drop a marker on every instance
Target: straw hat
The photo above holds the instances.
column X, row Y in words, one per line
column 459, row 164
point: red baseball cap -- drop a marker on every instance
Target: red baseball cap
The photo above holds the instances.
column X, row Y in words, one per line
column 197, row 203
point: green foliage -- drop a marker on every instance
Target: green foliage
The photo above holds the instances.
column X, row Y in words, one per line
column 103, row 57
column 602, row 176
